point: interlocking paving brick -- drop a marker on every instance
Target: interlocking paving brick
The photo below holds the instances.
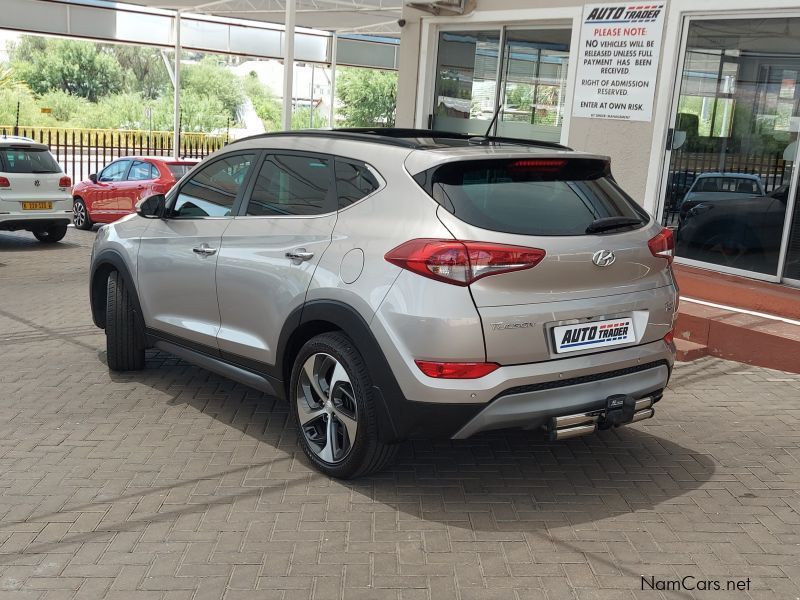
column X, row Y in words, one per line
column 176, row 484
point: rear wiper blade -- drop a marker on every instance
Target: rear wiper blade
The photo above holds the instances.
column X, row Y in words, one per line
column 42, row 172
column 609, row 223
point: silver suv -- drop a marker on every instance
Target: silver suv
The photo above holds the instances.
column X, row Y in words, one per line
column 399, row 283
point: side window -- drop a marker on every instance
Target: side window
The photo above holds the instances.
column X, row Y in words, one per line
column 140, row 171
column 213, row 190
column 154, row 174
column 289, row 184
column 114, row 172
column 353, row 182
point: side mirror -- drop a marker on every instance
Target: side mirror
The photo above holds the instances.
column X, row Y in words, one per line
column 93, row 177
column 152, row 207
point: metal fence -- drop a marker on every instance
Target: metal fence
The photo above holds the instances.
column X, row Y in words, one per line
column 773, row 170
column 81, row 152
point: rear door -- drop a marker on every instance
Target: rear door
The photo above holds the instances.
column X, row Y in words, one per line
column 271, row 250
column 178, row 254
column 597, row 268
column 136, row 186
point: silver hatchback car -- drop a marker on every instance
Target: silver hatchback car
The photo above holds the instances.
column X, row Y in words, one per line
column 400, row 283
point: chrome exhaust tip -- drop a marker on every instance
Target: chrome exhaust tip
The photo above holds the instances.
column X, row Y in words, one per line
column 570, row 426
column 571, row 432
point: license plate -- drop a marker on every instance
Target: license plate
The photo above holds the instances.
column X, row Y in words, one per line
column 37, row 206
column 597, row 334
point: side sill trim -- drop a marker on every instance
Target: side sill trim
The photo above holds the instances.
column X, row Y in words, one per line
column 258, row 381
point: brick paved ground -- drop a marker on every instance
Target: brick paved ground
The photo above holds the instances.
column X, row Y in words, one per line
column 177, row 484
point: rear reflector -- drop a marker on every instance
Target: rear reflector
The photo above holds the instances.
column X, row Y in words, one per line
column 4, row 182
column 450, row 370
column 461, row 263
column 65, row 182
column 663, row 245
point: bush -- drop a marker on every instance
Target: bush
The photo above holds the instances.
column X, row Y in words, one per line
column 265, row 104
column 368, row 97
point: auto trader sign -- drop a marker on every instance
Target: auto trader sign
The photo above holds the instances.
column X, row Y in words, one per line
column 618, row 61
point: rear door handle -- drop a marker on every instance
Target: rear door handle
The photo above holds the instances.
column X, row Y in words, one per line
column 300, row 254
column 204, row 250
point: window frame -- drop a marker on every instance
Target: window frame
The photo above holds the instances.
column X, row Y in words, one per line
column 113, row 162
column 143, row 162
column 378, row 177
column 238, row 202
column 331, row 199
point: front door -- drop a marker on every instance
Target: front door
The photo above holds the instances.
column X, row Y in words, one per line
column 729, row 176
column 178, row 254
column 270, row 252
column 105, row 201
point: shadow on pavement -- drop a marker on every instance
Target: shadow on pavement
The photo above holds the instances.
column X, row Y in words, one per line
column 495, row 482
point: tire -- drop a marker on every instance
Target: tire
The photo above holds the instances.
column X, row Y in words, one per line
column 124, row 328
column 51, row 235
column 338, row 408
column 80, row 215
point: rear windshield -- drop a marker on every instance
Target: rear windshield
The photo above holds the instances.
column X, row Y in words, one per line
column 179, row 171
column 27, row 160
column 533, row 196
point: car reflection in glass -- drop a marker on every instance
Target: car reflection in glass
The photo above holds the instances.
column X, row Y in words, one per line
column 731, row 227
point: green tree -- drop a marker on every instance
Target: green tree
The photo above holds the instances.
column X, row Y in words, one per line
column 367, row 97
column 145, row 69
column 303, row 119
column 264, row 102
column 79, row 68
column 209, row 78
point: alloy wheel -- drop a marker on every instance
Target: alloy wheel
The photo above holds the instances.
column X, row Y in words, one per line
column 79, row 214
column 326, row 408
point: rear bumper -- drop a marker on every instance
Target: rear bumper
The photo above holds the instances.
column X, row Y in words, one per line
column 34, row 222
column 528, row 396
column 533, row 406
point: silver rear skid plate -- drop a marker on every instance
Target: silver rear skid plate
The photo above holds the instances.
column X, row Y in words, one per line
column 570, row 426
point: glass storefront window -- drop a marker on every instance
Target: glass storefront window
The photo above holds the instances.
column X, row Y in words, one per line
column 532, row 80
column 734, row 142
column 466, row 80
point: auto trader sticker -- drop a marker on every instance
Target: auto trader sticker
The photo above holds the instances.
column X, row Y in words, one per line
column 618, row 61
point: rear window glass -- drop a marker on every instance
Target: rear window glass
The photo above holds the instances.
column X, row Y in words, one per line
column 28, row 160
column 531, row 196
column 179, row 171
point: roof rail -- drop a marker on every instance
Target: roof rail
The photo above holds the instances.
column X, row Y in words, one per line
column 400, row 132
column 398, row 136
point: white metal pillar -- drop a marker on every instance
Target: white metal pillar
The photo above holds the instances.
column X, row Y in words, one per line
column 176, row 125
column 332, row 118
column 288, row 63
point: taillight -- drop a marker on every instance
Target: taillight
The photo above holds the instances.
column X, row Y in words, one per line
column 4, row 182
column 65, row 182
column 455, row 370
column 461, row 263
column 663, row 245
column 670, row 337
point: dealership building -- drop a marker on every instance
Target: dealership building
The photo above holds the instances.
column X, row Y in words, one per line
column 700, row 114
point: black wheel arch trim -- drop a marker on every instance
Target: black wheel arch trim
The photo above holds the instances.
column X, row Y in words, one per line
column 399, row 419
column 102, row 264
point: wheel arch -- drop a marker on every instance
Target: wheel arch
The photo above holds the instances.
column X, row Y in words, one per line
column 102, row 266
column 323, row 316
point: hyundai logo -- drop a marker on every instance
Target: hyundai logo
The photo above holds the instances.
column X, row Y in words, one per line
column 603, row 258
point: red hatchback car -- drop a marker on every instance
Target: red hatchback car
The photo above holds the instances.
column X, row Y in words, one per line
column 114, row 191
